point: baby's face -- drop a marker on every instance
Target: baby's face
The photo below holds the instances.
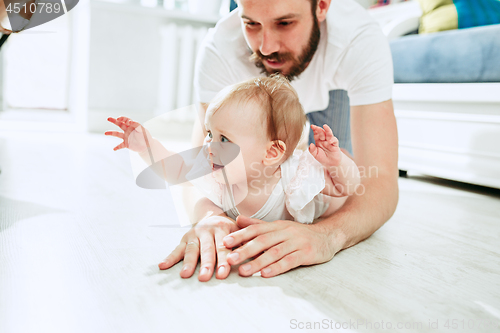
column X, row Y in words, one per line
column 241, row 124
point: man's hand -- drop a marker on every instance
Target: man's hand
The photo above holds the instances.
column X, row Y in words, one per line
column 133, row 134
column 287, row 245
column 203, row 240
column 3, row 14
column 3, row 30
column 327, row 150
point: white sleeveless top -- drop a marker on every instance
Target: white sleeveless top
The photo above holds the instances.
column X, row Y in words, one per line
column 298, row 192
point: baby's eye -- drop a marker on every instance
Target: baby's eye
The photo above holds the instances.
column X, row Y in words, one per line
column 223, row 139
column 209, row 135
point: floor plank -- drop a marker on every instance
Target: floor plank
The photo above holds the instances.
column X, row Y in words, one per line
column 80, row 243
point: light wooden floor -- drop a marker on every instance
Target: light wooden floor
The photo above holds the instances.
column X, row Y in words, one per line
column 80, row 244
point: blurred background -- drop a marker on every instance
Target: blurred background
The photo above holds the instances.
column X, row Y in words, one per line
column 136, row 58
column 106, row 58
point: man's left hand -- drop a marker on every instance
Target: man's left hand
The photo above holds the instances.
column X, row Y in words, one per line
column 280, row 246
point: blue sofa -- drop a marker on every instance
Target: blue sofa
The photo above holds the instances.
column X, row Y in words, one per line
column 455, row 56
column 447, row 101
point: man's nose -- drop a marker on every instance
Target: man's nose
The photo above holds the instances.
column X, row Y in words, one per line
column 269, row 43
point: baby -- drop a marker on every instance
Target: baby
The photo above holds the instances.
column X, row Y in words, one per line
column 273, row 180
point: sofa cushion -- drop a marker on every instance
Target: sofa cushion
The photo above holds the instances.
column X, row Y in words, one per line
column 474, row 13
column 440, row 15
column 439, row 18
column 468, row 55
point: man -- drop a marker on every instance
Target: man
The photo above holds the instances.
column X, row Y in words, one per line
column 333, row 53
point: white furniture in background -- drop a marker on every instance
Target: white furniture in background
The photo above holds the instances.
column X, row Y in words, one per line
column 118, row 58
column 450, row 130
column 179, row 45
column 44, row 74
column 397, row 19
column 447, row 130
column 141, row 61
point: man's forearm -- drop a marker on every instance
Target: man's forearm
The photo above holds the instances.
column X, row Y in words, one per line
column 345, row 178
column 362, row 214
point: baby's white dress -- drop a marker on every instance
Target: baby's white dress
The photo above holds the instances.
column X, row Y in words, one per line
column 298, row 192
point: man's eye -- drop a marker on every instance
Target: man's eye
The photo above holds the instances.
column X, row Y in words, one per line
column 252, row 24
column 223, row 139
column 285, row 23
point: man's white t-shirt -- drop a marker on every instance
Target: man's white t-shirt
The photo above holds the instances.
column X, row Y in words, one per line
column 353, row 54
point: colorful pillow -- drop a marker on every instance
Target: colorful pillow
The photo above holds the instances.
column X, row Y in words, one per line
column 440, row 15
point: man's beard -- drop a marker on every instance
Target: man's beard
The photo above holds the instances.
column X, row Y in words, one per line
column 299, row 64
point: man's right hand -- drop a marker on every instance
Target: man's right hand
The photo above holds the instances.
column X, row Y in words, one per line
column 203, row 241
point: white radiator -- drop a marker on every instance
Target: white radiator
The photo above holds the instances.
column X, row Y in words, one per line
column 179, row 46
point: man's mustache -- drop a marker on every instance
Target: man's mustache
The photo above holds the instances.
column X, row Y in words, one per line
column 257, row 56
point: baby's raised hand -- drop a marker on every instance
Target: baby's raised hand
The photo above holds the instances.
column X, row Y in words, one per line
column 133, row 134
column 327, row 150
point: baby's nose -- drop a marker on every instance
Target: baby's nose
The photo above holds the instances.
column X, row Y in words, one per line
column 215, row 159
column 209, row 153
column 217, row 154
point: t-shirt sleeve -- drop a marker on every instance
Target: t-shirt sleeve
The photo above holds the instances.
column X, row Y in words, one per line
column 212, row 73
column 367, row 68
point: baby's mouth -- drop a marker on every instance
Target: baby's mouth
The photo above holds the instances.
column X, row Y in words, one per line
column 216, row 167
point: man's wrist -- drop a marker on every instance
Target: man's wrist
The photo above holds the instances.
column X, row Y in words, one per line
column 336, row 237
column 361, row 215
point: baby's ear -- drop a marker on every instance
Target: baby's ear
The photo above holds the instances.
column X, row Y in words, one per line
column 275, row 150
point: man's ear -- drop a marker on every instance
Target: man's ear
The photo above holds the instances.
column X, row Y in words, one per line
column 274, row 152
column 322, row 9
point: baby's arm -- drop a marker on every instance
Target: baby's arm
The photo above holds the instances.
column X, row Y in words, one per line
column 210, row 209
column 341, row 172
column 138, row 139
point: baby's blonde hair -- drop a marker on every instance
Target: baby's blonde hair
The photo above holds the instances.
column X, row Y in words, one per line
column 283, row 114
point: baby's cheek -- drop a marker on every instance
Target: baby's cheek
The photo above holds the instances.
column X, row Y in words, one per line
column 238, row 171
